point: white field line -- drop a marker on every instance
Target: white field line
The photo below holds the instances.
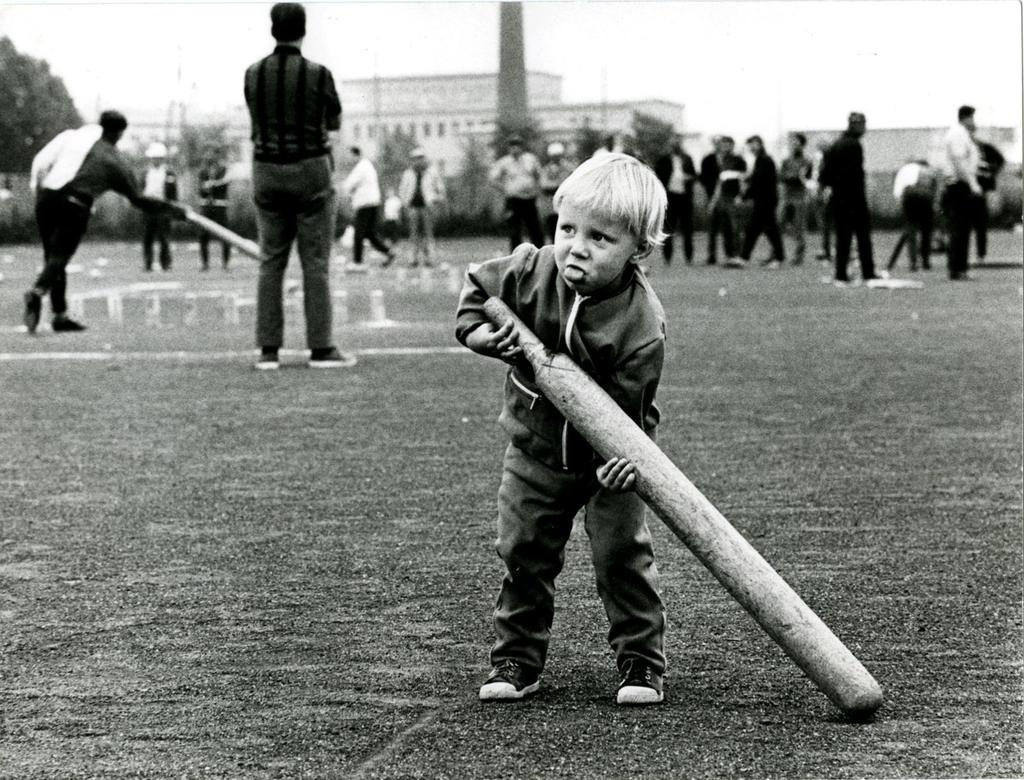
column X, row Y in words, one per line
column 26, row 357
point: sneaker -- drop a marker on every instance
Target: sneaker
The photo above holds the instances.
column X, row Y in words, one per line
column 771, row 265
column 392, row 255
column 640, row 684
column 33, row 309
column 510, row 681
column 268, row 360
column 65, row 324
column 329, row 357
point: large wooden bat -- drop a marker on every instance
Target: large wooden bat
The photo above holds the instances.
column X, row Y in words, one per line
column 217, row 230
column 693, row 518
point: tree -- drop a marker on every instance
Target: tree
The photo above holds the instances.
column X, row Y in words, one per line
column 36, row 107
column 652, row 137
column 471, row 198
column 587, row 140
column 393, row 157
column 526, row 128
column 199, row 140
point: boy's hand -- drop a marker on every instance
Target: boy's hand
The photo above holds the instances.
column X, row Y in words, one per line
column 502, row 343
column 617, row 475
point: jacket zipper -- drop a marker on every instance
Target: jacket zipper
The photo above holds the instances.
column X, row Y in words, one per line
column 570, row 323
column 526, row 391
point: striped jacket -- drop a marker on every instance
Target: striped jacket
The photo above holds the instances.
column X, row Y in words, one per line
column 617, row 337
column 293, row 104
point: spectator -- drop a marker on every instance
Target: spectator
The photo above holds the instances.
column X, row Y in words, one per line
column 158, row 183
column 676, row 172
column 294, row 107
column 213, row 192
column 556, row 170
column 363, row 189
column 517, row 175
column 822, row 205
column 915, row 188
column 68, row 174
column 990, row 164
column 762, row 189
column 962, row 160
column 422, row 192
column 842, row 179
column 720, row 175
column 796, row 175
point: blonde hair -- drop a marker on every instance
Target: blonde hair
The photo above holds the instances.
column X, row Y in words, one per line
column 619, row 187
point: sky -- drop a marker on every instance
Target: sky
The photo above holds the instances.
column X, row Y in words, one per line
column 738, row 67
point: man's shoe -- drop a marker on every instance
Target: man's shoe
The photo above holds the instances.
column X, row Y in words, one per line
column 33, row 309
column 268, row 360
column 771, row 265
column 640, row 684
column 392, row 255
column 329, row 357
column 510, row 681
column 65, row 324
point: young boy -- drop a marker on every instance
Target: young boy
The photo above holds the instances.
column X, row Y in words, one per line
column 586, row 297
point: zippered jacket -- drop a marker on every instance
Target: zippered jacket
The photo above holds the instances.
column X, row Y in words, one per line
column 617, row 336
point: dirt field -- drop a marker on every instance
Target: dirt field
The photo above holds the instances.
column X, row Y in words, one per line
column 207, row 571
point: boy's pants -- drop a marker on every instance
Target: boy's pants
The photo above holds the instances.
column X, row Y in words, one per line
column 157, row 228
column 62, row 221
column 536, row 506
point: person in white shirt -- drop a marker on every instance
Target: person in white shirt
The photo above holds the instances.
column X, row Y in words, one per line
column 914, row 188
column 422, row 191
column 158, row 183
column 363, row 189
column 962, row 188
column 517, row 174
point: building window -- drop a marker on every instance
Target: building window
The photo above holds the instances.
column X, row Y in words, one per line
column 371, row 131
column 355, row 132
column 426, row 129
column 440, row 129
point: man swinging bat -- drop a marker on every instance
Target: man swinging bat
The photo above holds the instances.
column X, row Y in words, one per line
column 68, row 174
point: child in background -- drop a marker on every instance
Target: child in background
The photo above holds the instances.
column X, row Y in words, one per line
column 587, row 297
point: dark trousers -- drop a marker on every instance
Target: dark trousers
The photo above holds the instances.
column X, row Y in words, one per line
column 218, row 214
column 295, row 204
column 957, row 206
column 522, row 213
column 763, row 220
column 826, row 221
column 721, row 219
column 366, row 228
column 536, row 506
column 62, row 223
column 852, row 219
column 979, row 224
column 158, row 228
column 917, row 210
column 679, row 215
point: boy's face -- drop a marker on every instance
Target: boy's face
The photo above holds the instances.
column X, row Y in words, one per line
column 591, row 251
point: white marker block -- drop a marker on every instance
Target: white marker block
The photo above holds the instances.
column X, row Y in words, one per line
column 153, row 310
column 229, row 301
column 191, row 309
column 377, row 314
column 115, row 309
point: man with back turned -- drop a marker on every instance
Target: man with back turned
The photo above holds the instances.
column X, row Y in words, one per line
column 293, row 105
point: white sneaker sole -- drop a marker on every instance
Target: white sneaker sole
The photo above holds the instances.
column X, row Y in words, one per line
column 268, row 366
column 332, row 363
column 500, row 691
column 639, row 695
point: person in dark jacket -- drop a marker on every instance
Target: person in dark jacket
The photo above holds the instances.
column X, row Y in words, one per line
column 68, row 174
column 213, row 193
column 720, row 175
column 992, row 162
column 676, row 172
column 762, row 189
column 842, row 179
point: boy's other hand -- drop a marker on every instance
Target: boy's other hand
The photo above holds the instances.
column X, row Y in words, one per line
column 617, row 475
column 502, row 343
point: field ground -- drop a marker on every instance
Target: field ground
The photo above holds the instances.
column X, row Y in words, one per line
column 207, row 571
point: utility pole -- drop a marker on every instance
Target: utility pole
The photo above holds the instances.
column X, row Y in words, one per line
column 512, row 101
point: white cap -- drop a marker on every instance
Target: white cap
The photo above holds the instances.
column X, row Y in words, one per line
column 555, row 148
column 156, row 149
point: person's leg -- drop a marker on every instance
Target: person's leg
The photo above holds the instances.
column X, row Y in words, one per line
column 926, row 224
column 277, row 231
column 799, row 227
column 753, row 232
column 865, row 252
column 515, row 222
column 429, row 249
column 61, row 227
column 315, row 228
column 535, row 510
column 225, row 254
column 627, row 577
column 163, row 228
column 362, row 226
column 416, row 234
column 686, row 226
column 533, row 228
column 371, row 231
column 671, row 223
column 980, row 203
column 774, row 236
column 730, row 227
column 204, row 250
column 959, row 220
column 844, row 235
column 148, row 236
column 714, row 227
